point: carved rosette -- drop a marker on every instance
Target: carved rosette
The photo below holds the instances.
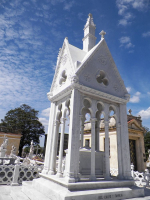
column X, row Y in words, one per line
column 87, row 77
column 74, row 79
column 102, row 59
column 116, row 88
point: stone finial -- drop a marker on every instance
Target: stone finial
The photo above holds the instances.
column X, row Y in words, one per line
column 90, row 15
column 90, row 20
column 130, row 112
column 102, row 33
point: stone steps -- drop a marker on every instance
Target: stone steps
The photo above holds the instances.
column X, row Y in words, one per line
column 32, row 193
column 47, row 190
column 17, row 194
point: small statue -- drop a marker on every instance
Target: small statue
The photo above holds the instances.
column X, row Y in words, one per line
column 31, row 150
column 3, row 147
column 13, row 151
column 5, row 143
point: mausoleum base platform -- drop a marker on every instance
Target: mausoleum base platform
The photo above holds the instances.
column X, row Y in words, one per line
column 47, row 189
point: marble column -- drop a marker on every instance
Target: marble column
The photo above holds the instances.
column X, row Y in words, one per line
column 93, row 177
column 59, row 172
column 82, row 129
column 125, row 143
column 97, row 136
column 120, row 176
column 107, row 161
column 49, row 139
column 72, row 163
column 54, row 148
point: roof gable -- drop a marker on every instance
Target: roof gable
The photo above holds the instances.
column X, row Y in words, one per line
column 133, row 124
column 98, row 71
column 65, row 68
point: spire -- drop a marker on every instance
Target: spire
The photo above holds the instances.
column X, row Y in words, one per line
column 89, row 34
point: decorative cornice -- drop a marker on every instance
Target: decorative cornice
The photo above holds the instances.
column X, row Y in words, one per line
column 89, row 91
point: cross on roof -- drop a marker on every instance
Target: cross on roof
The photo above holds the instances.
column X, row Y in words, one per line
column 102, row 33
column 130, row 111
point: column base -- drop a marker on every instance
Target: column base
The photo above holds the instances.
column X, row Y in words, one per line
column 92, row 178
column 69, row 179
column 45, row 171
column 59, row 175
column 14, row 184
column 107, row 177
column 120, row 177
column 51, row 172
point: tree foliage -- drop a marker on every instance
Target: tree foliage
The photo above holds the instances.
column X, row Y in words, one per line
column 147, row 141
column 23, row 120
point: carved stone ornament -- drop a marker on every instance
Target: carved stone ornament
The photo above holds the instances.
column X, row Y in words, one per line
column 116, row 88
column 87, row 77
column 63, row 77
column 64, row 59
column 102, row 59
column 101, row 78
column 74, row 79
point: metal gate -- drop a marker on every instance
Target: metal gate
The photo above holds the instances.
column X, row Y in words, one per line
column 133, row 153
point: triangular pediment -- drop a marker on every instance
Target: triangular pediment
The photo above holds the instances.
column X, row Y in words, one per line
column 65, row 69
column 98, row 71
column 133, row 124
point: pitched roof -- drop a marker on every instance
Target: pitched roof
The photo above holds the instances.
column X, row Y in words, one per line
column 76, row 53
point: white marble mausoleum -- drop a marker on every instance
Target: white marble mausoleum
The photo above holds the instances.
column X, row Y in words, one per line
column 86, row 81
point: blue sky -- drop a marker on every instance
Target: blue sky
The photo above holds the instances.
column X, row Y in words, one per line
column 32, row 31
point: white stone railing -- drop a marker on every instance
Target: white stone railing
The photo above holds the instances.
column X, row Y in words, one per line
column 141, row 178
column 15, row 174
column 7, row 161
column 6, row 174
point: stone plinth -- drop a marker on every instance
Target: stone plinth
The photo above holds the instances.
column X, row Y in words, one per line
column 43, row 188
column 3, row 153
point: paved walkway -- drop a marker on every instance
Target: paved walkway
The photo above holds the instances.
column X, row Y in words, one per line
column 6, row 189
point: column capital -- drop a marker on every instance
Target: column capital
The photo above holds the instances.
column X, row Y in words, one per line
column 63, row 120
column 56, row 122
column 93, row 120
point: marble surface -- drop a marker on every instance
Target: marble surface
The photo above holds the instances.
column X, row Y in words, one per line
column 6, row 193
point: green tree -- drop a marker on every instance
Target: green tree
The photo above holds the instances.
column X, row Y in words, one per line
column 23, row 120
column 147, row 141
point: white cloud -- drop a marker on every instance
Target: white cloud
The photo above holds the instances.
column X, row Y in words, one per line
column 44, row 121
column 126, row 42
column 129, row 89
column 125, row 5
column 146, row 34
column 145, row 114
column 148, row 93
column 138, row 93
column 68, row 5
column 139, row 4
column 129, row 45
column 46, row 112
column 123, row 22
column 135, row 98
